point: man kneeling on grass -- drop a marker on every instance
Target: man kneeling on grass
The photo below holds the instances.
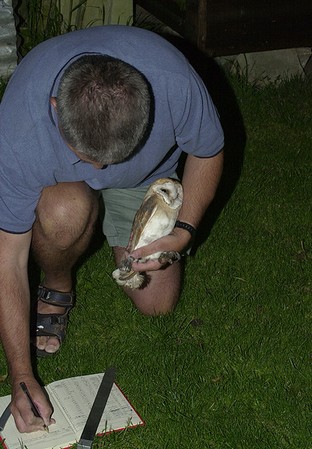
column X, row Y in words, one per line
column 107, row 109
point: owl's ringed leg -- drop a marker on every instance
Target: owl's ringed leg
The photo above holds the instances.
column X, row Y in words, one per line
column 169, row 257
column 126, row 264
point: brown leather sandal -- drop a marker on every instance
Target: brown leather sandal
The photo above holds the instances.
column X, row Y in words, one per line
column 53, row 324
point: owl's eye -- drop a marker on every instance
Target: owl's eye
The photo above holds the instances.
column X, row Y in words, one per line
column 165, row 191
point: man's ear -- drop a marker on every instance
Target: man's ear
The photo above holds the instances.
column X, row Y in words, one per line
column 53, row 103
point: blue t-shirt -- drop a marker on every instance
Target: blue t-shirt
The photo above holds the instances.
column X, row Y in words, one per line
column 33, row 154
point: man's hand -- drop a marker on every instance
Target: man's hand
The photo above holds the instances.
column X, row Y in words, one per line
column 24, row 417
column 178, row 240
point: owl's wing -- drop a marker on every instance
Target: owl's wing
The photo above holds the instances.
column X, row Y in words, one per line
column 141, row 220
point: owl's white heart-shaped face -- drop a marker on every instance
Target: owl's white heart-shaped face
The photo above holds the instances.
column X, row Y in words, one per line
column 169, row 190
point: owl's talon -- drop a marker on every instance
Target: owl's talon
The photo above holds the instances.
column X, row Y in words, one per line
column 130, row 279
column 126, row 264
column 169, row 257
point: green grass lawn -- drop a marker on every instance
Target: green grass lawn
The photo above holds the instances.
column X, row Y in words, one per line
column 231, row 368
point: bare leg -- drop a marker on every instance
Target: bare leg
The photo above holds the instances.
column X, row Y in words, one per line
column 66, row 215
column 161, row 294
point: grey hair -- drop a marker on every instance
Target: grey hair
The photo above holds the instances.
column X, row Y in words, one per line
column 104, row 108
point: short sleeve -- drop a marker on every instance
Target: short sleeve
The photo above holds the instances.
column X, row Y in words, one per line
column 17, row 199
column 199, row 131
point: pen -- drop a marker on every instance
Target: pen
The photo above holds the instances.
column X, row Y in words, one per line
column 34, row 408
column 4, row 417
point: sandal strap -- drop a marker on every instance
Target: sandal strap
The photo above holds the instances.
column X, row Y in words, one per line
column 44, row 321
column 52, row 325
column 55, row 297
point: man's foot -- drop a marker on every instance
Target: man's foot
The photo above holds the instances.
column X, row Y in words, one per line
column 52, row 317
column 48, row 344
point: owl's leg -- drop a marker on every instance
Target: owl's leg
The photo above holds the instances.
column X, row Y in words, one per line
column 126, row 264
column 169, row 257
column 124, row 275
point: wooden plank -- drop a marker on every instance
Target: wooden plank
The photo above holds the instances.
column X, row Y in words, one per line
column 242, row 27
column 226, row 27
column 167, row 11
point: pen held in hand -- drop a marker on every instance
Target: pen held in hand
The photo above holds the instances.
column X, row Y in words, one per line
column 4, row 417
column 34, row 408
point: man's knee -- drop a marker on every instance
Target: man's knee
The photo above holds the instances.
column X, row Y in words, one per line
column 157, row 304
column 161, row 292
column 65, row 212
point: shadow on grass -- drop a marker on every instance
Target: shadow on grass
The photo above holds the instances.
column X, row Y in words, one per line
column 232, row 122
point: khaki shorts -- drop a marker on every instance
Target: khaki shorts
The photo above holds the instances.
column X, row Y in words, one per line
column 120, row 207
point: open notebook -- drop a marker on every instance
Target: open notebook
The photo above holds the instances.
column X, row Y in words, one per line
column 72, row 400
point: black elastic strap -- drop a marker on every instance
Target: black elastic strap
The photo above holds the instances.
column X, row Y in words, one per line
column 186, row 226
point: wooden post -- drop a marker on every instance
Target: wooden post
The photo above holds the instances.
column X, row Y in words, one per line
column 202, row 8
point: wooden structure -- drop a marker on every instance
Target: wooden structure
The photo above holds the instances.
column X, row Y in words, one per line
column 228, row 27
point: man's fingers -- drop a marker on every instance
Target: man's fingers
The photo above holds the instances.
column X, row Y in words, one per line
column 150, row 265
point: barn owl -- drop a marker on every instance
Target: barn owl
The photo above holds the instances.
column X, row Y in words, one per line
column 155, row 218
